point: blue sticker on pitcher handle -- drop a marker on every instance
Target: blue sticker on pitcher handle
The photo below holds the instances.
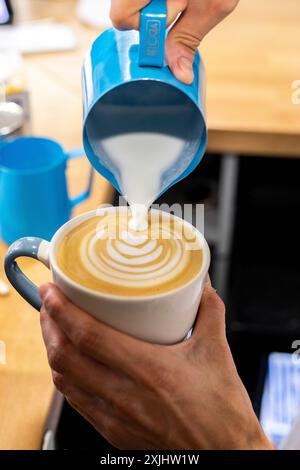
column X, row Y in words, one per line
column 153, row 21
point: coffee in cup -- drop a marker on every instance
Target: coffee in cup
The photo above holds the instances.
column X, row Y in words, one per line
column 156, row 300
column 104, row 254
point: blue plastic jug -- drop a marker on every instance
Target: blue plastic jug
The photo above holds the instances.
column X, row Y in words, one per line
column 34, row 199
column 128, row 88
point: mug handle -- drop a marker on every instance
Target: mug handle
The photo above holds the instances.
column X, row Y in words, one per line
column 153, row 23
column 32, row 247
column 78, row 153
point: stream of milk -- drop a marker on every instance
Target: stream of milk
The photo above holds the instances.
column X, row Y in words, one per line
column 141, row 159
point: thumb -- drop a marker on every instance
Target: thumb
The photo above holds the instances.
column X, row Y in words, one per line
column 210, row 322
column 197, row 19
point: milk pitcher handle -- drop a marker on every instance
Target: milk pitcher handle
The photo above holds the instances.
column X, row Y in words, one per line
column 77, row 153
column 153, row 22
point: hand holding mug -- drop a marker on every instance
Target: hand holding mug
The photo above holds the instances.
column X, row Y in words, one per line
column 140, row 395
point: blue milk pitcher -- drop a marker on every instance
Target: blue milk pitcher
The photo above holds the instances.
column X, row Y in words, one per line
column 128, row 88
column 34, row 198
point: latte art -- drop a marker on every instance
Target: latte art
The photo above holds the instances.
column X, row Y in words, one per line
column 104, row 254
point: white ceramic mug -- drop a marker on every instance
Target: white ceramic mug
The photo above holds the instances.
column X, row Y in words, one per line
column 161, row 318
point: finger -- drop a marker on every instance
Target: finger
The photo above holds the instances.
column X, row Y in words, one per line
column 75, row 375
column 208, row 281
column 125, row 14
column 89, row 403
column 96, row 339
column 210, row 323
column 96, row 411
column 197, row 20
column 174, row 8
column 119, row 432
column 84, row 372
column 53, row 337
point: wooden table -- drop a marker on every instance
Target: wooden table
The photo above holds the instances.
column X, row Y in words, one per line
column 25, row 382
column 251, row 61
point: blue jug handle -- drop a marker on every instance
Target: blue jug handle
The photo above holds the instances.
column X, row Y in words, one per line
column 77, row 153
column 153, row 24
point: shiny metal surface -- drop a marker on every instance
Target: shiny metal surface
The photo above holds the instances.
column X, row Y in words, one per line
column 12, row 117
